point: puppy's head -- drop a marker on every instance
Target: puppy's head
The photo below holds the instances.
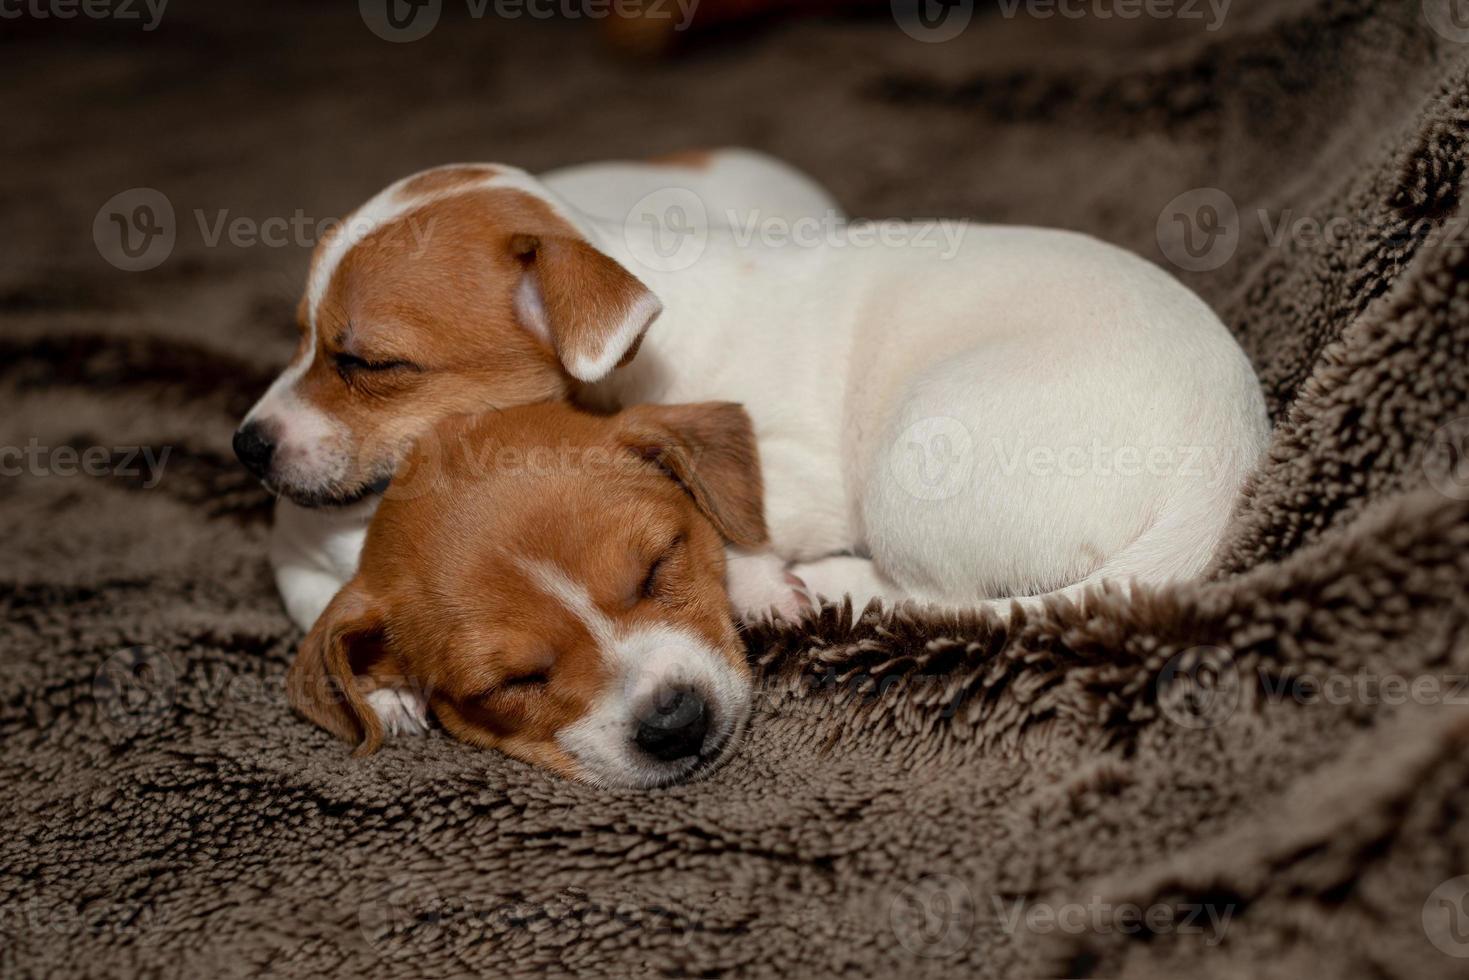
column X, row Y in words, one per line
column 453, row 291
column 551, row 584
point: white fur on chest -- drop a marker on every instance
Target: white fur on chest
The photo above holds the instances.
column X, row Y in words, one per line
column 314, row 552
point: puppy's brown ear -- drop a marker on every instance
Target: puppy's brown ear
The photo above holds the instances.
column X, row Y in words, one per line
column 709, row 448
column 590, row 310
column 342, row 651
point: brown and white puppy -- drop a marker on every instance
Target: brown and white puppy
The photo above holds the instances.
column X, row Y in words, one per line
column 463, row 289
column 479, row 300
column 550, row 583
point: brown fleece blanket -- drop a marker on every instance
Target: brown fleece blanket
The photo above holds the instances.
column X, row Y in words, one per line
column 1262, row 774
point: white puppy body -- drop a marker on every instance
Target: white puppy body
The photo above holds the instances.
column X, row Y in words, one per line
column 1003, row 412
column 1035, row 410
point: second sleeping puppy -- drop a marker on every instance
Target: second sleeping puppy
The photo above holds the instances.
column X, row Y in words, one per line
column 550, row 583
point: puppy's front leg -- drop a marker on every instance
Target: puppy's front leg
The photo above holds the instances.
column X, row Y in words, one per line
column 841, row 576
column 401, row 711
column 759, row 584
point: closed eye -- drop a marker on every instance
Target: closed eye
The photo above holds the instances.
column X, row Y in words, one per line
column 347, row 363
column 651, row 585
column 526, row 681
column 649, row 588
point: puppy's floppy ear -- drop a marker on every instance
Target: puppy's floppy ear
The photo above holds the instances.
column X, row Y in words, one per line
column 709, row 448
column 343, row 650
column 590, row 310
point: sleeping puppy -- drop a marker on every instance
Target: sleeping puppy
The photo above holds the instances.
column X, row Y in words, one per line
column 419, row 313
column 550, row 583
column 955, row 417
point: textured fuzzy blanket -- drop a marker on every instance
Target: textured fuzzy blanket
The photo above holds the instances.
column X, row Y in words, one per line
column 1263, row 774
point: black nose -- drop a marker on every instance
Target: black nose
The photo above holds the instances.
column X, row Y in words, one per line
column 674, row 724
column 254, row 448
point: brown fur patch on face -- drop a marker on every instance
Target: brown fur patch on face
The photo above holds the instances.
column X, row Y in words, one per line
column 449, row 555
column 434, row 290
column 443, row 179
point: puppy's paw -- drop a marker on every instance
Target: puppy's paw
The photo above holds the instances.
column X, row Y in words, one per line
column 797, row 600
column 759, row 585
column 401, row 712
